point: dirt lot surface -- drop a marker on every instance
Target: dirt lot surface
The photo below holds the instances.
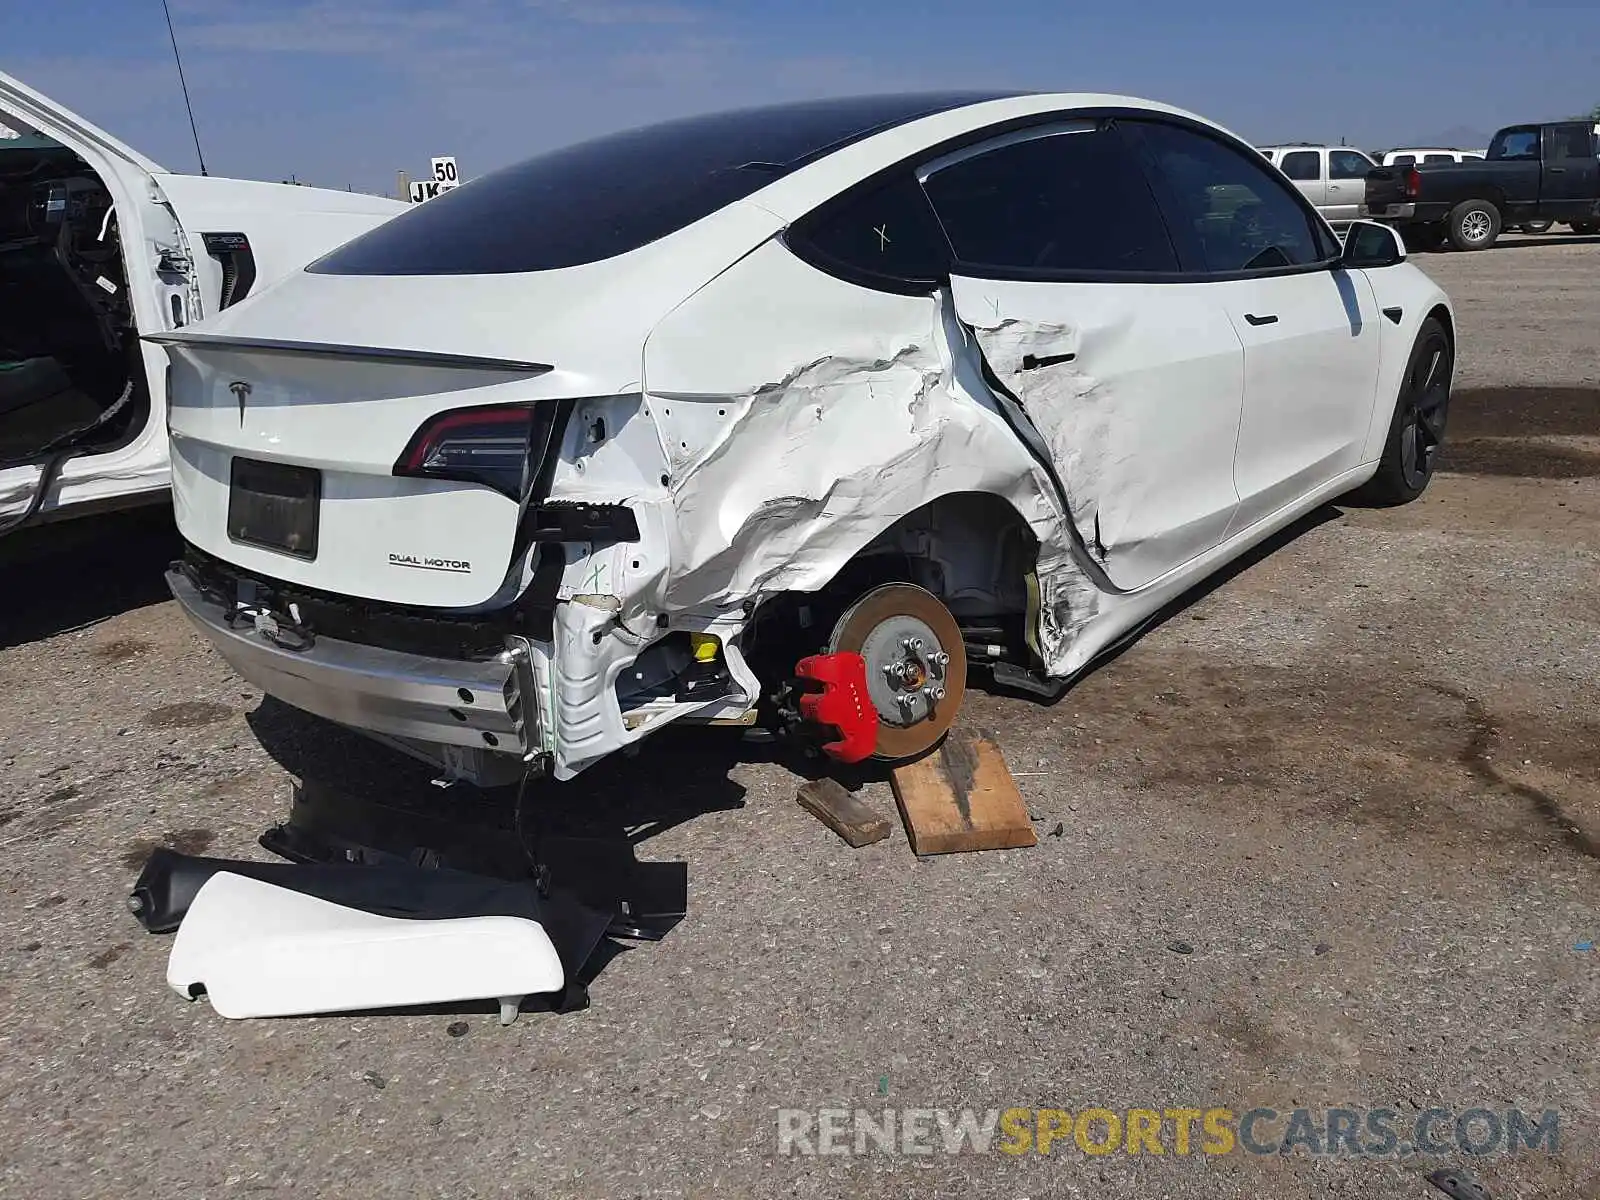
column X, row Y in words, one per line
column 1326, row 837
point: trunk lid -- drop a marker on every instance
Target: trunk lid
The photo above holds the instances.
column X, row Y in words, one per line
column 342, row 417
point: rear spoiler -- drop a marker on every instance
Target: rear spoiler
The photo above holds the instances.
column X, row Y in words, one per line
column 421, row 358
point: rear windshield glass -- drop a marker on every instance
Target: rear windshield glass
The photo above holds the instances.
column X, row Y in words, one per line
column 1515, row 144
column 605, row 197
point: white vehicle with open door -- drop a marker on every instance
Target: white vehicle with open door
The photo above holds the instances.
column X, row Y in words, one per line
column 99, row 245
column 790, row 415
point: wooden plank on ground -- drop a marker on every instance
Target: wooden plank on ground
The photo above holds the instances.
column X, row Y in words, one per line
column 962, row 798
column 843, row 812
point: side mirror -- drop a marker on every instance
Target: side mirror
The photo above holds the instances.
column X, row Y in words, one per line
column 1368, row 244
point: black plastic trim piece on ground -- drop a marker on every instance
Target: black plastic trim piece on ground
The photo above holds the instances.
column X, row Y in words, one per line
column 644, row 899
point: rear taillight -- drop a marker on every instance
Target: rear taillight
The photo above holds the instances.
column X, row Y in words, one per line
column 476, row 445
column 1413, row 183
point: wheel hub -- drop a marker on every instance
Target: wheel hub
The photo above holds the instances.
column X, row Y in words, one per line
column 905, row 669
column 916, row 665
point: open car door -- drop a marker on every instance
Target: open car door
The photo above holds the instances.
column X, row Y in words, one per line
column 100, row 245
column 81, row 241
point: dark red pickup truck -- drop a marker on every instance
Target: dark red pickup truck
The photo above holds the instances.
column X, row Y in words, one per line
column 1545, row 172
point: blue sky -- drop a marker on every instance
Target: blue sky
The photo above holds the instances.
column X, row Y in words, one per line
column 344, row 92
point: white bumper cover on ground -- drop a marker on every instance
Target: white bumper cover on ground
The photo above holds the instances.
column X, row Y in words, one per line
column 266, row 951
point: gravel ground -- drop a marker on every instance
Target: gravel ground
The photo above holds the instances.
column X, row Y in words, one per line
column 1326, row 837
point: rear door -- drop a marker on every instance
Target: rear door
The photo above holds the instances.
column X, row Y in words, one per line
column 1309, row 330
column 1130, row 377
column 1570, row 182
column 1347, row 185
column 1307, row 170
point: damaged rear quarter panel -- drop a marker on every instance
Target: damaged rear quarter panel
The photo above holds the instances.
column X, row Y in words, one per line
column 803, row 415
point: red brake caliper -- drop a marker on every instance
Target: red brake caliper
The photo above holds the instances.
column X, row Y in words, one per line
column 842, row 703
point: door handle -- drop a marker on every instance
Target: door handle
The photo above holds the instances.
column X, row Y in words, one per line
column 1556, row 170
column 1269, row 319
column 1032, row 362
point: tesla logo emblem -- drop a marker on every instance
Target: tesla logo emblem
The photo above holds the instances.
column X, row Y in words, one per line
column 883, row 236
column 241, row 393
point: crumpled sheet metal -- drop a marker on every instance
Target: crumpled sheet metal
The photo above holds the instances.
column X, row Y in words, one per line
column 877, row 419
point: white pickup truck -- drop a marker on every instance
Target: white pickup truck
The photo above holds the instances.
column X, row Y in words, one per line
column 1332, row 177
column 98, row 247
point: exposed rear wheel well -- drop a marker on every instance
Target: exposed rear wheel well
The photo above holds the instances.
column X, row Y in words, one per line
column 972, row 550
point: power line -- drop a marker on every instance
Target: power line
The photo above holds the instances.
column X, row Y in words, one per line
column 184, row 83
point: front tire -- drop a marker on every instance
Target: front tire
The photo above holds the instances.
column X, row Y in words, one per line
column 1473, row 225
column 1416, row 431
column 1585, row 227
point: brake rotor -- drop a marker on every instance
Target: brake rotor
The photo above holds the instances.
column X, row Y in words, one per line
column 916, row 665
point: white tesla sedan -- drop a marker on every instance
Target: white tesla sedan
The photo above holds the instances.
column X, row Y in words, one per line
column 793, row 415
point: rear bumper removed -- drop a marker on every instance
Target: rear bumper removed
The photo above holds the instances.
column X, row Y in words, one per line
column 535, row 703
column 460, row 705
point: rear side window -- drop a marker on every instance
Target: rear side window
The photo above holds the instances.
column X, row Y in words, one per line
column 1572, row 141
column 1229, row 211
column 1428, row 158
column 884, row 236
column 1302, row 165
column 1402, row 160
column 1064, row 202
column 608, row 196
column 1347, row 164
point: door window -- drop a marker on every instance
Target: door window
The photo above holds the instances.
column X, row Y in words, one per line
column 1071, row 201
column 1228, row 212
column 1428, row 158
column 1402, row 160
column 1348, row 164
column 1302, row 166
